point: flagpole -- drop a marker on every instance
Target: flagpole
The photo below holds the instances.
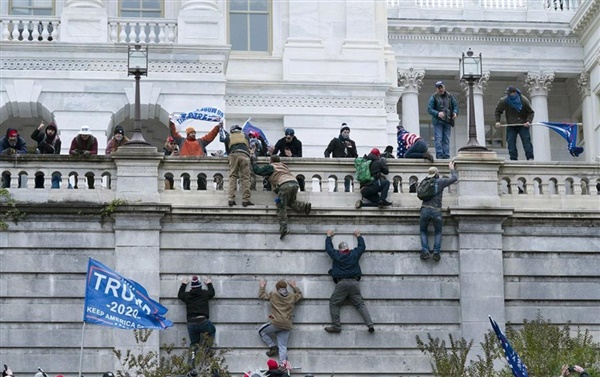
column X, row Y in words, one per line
column 532, row 124
column 246, row 122
column 81, row 352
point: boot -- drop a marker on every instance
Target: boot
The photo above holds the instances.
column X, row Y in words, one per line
column 273, row 351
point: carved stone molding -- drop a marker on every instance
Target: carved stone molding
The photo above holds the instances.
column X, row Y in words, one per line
column 478, row 87
column 485, row 35
column 411, row 80
column 583, row 84
column 107, row 66
column 538, row 84
column 306, row 101
column 84, row 4
column 474, row 175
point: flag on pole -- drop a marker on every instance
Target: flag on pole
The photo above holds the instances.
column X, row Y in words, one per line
column 250, row 127
column 516, row 365
column 113, row 300
column 569, row 132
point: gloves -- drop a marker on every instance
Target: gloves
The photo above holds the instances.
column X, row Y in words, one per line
column 497, row 124
column 10, row 151
column 85, row 153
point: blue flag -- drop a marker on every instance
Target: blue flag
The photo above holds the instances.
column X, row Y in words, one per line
column 569, row 132
column 113, row 300
column 250, row 127
column 516, row 365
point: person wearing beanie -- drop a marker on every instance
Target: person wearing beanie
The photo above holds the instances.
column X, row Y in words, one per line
column 346, row 274
column 237, row 147
column 431, row 211
column 375, row 193
column 117, row 140
column 279, row 326
column 342, row 147
column 443, row 109
column 388, row 152
column 12, row 143
column 200, row 328
column 274, row 369
column 411, row 145
column 286, row 187
column 519, row 115
column 190, row 146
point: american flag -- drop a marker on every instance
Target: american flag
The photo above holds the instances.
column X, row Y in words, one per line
column 516, row 364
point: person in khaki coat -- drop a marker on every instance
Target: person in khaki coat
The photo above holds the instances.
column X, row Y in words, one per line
column 280, row 319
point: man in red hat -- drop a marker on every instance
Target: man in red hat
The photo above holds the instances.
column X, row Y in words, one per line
column 375, row 193
column 12, row 143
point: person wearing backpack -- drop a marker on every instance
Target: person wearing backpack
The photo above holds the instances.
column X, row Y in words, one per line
column 431, row 209
column 374, row 190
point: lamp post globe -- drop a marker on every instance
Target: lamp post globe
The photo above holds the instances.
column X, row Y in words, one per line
column 470, row 71
column 137, row 66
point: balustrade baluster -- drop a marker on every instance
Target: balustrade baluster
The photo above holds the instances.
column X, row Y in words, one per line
column 112, row 35
column 152, row 34
column 35, row 31
column 45, row 33
column 123, row 33
column 15, row 31
column 5, row 31
column 142, row 34
column 56, row 31
column 132, row 32
column 161, row 33
column 171, row 34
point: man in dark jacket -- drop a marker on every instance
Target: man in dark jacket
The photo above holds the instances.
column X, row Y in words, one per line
column 346, row 274
column 517, row 109
column 431, row 210
column 289, row 145
column 48, row 142
column 197, row 309
column 342, row 147
column 285, row 185
column 12, row 143
column 376, row 192
column 443, row 108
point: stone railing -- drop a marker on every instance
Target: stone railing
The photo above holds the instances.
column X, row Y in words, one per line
column 140, row 30
column 532, row 185
column 30, row 28
column 550, row 5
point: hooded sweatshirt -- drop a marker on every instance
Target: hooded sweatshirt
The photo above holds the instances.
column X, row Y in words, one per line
column 282, row 307
column 47, row 144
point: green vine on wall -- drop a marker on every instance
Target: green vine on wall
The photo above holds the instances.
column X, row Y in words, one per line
column 12, row 212
column 110, row 208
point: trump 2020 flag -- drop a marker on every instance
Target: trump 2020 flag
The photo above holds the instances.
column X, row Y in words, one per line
column 113, row 300
column 569, row 132
column 516, row 365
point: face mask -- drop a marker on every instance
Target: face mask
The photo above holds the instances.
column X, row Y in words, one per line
column 119, row 137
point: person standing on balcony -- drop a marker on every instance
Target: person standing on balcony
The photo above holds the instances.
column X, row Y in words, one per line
column 237, row 147
column 258, row 148
column 285, row 186
column 11, row 143
column 342, row 147
column 84, row 144
column 443, row 109
column 117, row 140
column 519, row 115
column 346, row 274
column 48, row 142
column 411, row 145
column 197, row 309
column 431, row 211
column 288, row 146
column 283, row 303
column 376, row 191
column 189, row 145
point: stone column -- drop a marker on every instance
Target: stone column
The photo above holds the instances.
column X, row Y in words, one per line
column 478, row 90
column 202, row 22
column 410, row 81
column 590, row 108
column 137, row 174
column 84, row 21
column 538, row 85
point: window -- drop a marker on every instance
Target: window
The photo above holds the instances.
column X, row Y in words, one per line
column 141, row 8
column 249, row 25
column 32, row 7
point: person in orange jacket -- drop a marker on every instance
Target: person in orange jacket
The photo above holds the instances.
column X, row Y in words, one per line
column 189, row 145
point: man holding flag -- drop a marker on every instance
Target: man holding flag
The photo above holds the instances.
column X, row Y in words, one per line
column 519, row 115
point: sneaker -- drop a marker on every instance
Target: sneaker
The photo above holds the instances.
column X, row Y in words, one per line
column 248, row 203
column 283, row 233
column 384, row 203
column 425, row 255
column 371, row 329
column 333, row 329
column 358, row 204
column 436, row 256
column 428, row 157
column 273, row 351
column 231, row 203
column 307, row 208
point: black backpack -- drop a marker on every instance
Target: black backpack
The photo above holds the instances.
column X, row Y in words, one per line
column 427, row 189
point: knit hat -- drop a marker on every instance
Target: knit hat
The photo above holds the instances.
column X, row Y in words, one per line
column 344, row 128
column 12, row 133
column 289, row 132
column 511, row 89
column 432, row 172
column 195, row 282
column 281, row 284
column 389, row 149
column 439, row 83
column 272, row 364
column 189, row 130
column 108, row 374
column 170, row 140
column 119, row 130
column 85, row 130
column 376, row 152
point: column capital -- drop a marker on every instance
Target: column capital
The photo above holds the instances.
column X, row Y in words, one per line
column 479, row 86
column 583, row 84
column 411, row 79
column 538, row 83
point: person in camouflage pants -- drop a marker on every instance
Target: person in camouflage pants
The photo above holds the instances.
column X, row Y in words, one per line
column 286, row 187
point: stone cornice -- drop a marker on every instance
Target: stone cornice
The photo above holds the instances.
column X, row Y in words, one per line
column 305, row 101
column 588, row 10
column 106, row 66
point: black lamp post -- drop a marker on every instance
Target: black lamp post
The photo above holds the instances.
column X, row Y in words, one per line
column 471, row 71
column 137, row 65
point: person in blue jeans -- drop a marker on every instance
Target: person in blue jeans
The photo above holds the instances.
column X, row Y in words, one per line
column 443, row 109
column 197, row 312
column 431, row 211
column 519, row 116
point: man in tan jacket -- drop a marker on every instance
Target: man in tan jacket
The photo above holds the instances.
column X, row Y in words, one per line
column 280, row 320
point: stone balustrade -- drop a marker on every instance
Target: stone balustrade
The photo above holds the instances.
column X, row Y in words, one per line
column 139, row 30
column 30, row 28
column 556, row 185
